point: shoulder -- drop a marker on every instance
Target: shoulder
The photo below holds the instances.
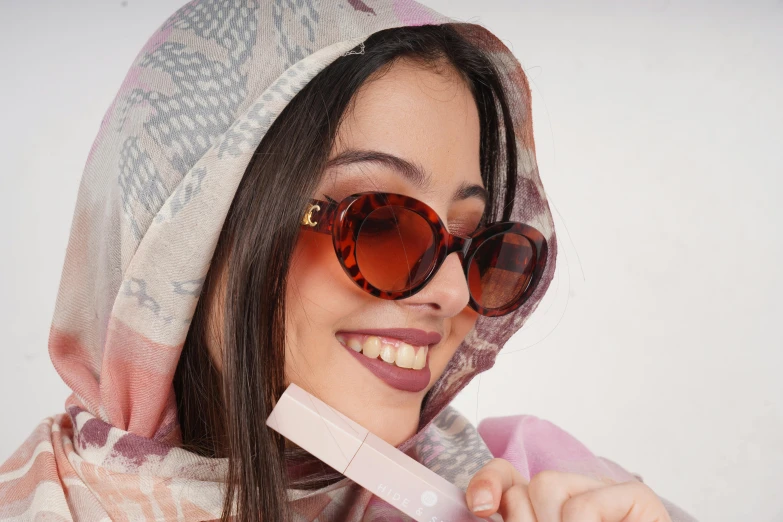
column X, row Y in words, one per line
column 534, row 444
column 38, row 442
column 31, row 478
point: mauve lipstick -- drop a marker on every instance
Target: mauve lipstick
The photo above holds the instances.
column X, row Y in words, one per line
column 405, row 379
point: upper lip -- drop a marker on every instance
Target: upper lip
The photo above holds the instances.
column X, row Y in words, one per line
column 411, row 336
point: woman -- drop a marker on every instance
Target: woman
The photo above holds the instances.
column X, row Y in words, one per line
column 271, row 199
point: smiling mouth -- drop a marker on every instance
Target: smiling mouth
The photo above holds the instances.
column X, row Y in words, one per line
column 392, row 351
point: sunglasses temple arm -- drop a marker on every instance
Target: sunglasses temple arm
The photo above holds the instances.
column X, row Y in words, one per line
column 319, row 216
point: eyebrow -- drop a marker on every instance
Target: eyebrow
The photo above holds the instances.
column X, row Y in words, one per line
column 410, row 171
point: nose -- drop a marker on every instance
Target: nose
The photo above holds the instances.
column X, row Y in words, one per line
column 447, row 292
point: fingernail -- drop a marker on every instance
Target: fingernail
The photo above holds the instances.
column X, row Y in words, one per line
column 482, row 499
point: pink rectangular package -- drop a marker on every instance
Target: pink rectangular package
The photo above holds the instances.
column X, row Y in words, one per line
column 368, row 460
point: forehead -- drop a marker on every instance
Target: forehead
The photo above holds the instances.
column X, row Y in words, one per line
column 423, row 113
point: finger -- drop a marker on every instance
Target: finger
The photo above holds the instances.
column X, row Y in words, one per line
column 549, row 490
column 515, row 505
column 486, row 487
column 629, row 501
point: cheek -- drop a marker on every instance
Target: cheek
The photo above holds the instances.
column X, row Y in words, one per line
column 319, row 293
column 464, row 322
column 461, row 325
column 314, row 269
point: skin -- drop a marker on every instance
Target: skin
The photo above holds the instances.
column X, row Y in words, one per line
column 554, row 496
column 428, row 118
column 425, row 116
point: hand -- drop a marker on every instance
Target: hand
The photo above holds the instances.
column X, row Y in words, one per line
column 554, row 496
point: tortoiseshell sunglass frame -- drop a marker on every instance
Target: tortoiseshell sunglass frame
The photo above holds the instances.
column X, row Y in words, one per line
column 343, row 220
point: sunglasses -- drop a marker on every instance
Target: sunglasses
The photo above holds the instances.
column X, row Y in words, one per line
column 392, row 245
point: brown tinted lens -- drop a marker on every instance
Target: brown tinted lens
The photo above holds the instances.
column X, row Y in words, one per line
column 395, row 248
column 500, row 270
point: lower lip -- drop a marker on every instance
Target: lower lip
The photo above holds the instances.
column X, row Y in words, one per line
column 404, row 379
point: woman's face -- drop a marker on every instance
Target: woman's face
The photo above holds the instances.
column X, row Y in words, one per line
column 408, row 119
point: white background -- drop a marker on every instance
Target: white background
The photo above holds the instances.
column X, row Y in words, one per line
column 658, row 128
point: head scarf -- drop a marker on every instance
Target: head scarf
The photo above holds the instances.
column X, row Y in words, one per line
column 157, row 186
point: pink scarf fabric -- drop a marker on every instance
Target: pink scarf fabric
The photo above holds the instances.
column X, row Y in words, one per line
column 155, row 191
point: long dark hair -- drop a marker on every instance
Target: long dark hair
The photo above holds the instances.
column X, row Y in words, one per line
column 223, row 413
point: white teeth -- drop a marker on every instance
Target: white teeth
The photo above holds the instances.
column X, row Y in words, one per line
column 404, row 355
column 371, row 347
column 388, row 353
column 421, row 358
